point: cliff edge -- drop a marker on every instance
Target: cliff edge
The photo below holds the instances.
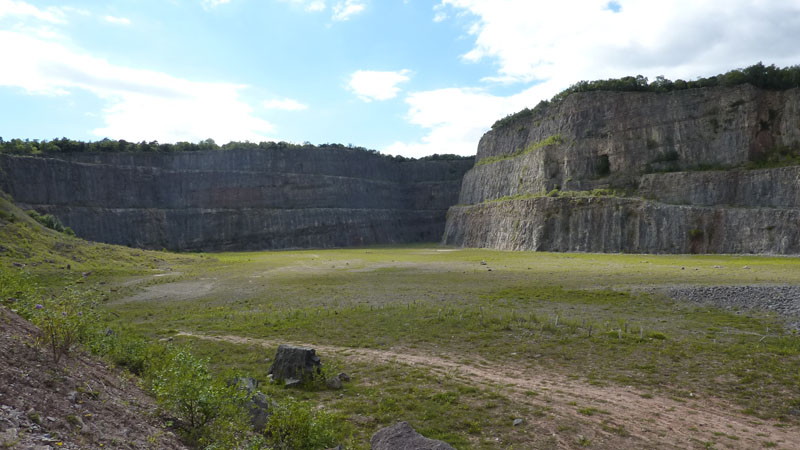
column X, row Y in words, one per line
column 706, row 170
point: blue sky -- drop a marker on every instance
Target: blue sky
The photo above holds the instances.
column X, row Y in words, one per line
column 406, row 77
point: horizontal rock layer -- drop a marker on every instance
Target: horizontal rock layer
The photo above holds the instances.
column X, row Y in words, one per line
column 678, row 157
column 250, row 199
column 622, row 225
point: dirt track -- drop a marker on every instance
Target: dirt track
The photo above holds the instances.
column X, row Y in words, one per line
column 649, row 421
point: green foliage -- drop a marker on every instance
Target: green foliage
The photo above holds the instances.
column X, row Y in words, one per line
column 552, row 140
column 759, row 75
column 65, row 145
column 65, row 319
column 778, row 156
column 51, row 221
column 126, row 350
column 594, row 193
column 297, row 426
column 209, row 412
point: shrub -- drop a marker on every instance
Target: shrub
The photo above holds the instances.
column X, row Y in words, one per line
column 51, row 221
column 135, row 354
column 295, row 426
column 209, row 412
column 64, row 321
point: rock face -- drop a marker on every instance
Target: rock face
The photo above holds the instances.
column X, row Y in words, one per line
column 240, row 199
column 678, row 164
column 402, row 436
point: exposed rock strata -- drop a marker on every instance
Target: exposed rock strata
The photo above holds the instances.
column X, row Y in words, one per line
column 249, row 199
column 676, row 159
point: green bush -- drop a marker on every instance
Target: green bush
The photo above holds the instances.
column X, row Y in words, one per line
column 296, row 426
column 64, row 320
column 125, row 350
column 51, row 221
column 209, row 413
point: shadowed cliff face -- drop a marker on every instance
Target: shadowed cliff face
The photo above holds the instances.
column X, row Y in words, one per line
column 231, row 200
column 677, row 161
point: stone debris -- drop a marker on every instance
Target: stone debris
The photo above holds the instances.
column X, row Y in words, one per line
column 783, row 299
column 401, row 436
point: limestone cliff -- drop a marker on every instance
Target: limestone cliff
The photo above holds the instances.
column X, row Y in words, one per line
column 239, row 199
column 639, row 172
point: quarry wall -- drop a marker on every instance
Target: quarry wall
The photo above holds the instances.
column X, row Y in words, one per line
column 238, row 199
column 692, row 171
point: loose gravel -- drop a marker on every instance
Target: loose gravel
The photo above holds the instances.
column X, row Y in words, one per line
column 782, row 299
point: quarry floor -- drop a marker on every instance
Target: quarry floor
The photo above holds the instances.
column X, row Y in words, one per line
column 587, row 350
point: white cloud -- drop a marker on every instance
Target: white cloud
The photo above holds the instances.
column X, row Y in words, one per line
column 344, row 9
column 209, row 4
column 546, row 46
column 286, row 104
column 377, row 85
column 17, row 9
column 309, row 5
column 117, row 20
column 141, row 104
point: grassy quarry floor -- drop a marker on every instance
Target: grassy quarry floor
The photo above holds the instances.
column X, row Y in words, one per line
column 586, row 349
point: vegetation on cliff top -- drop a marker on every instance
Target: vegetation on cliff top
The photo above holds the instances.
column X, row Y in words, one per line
column 759, row 75
column 65, row 145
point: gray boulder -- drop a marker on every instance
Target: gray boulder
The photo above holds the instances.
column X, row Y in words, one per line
column 401, row 436
column 258, row 406
column 295, row 365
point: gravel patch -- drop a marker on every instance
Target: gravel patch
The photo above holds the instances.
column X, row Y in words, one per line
column 782, row 299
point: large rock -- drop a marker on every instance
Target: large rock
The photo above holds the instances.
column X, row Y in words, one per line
column 295, row 365
column 401, row 436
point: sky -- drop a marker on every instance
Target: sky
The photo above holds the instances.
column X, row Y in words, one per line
column 405, row 77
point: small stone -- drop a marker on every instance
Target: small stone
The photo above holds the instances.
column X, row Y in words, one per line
column 483, row 263
column 334, row 383
column 344, row 377
column 746, row 267
column 517, row 422
column 292, row 382
column 16, row 264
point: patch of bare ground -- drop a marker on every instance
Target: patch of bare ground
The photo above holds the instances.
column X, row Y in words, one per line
column 180, row 290
column 76, row 404
column 618, row 416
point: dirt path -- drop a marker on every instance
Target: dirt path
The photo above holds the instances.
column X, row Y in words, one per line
column 648, row 422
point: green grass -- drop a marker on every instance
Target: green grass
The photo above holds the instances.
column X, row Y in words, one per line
column 552, row 140
column 563, row 312
column 591, row 316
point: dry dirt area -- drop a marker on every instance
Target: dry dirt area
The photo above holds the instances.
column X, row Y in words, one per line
column 649, row 421
column 78, row 403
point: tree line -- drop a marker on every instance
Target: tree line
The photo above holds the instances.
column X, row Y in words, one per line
column 758, row 75
column 66, row 145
